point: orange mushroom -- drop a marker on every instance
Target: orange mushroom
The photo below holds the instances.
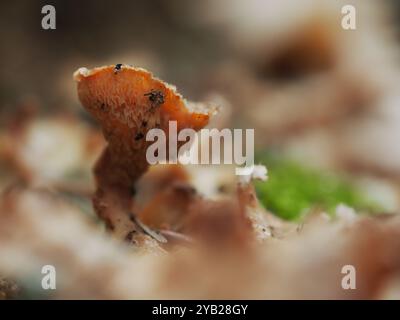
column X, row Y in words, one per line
column 128, row 102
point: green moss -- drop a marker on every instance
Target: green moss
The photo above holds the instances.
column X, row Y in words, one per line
column 293, row 189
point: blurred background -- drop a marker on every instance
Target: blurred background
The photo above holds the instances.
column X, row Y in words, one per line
column 317, row 96
column 324, row 103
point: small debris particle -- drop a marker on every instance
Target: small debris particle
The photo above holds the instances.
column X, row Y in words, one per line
column 144, row 123
column 139, row 136
column 109, row 225
column 132, row 217
column 156, row 97
column 117, row 68
column 222, row 189
column 133, row 191
column 129, row 235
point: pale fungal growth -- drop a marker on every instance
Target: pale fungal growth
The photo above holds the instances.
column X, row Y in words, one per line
column 258, row 172
column 81, row 72
column 345, row 213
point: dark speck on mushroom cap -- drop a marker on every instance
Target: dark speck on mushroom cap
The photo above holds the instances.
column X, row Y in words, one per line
column 117, row 67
